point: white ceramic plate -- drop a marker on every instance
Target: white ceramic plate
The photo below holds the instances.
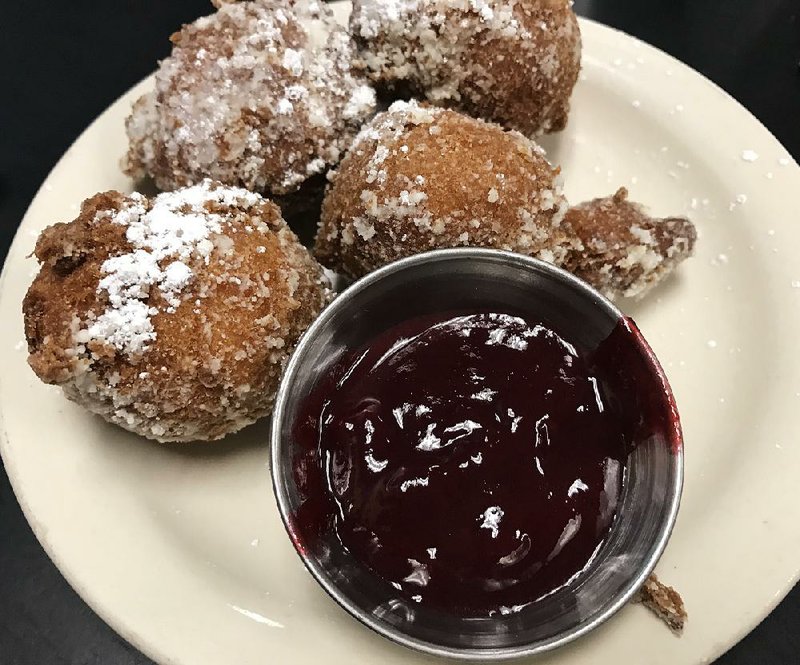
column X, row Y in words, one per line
column 181, row 548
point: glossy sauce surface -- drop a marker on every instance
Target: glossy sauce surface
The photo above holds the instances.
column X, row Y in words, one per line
column 472, row 461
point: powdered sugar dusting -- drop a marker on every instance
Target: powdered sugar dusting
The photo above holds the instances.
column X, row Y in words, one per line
column 433, row 45
column 172, row 316
column 174, row 229
column 259, row 94
column 385, row 201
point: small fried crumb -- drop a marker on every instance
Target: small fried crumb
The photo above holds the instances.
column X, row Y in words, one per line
column 664, row 602
column 622, row 250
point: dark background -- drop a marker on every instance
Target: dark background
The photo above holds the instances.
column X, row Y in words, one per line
column 64, row 62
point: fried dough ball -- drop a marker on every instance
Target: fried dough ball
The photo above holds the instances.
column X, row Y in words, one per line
column 260, row 95
column 173, row 316
column 513, row 62
column 623, row 251
column 420, row 178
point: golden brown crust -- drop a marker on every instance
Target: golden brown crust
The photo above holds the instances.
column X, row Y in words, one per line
column 421, row 178
column 66, row 286
column 218, row 344
column 514, row 62
column 664, row 602
column 624, row 251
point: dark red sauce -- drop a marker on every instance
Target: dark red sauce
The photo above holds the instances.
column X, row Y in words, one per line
column 474, row 461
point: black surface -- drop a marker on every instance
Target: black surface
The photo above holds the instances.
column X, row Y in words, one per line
column 64, row 62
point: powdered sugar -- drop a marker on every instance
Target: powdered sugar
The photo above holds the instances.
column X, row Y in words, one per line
column 293, row 61
column 177, row 276
column 176, row 228
column 360, row 104
column 126, row 327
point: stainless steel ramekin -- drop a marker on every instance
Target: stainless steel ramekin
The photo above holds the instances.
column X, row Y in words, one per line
column 460, row 279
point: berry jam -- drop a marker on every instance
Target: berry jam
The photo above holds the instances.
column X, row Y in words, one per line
column 473, row 461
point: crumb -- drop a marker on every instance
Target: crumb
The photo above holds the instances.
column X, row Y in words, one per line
column 664, row 602
column 623, row 251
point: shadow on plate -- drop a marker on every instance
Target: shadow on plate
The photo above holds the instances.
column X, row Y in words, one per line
column 117, row 442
